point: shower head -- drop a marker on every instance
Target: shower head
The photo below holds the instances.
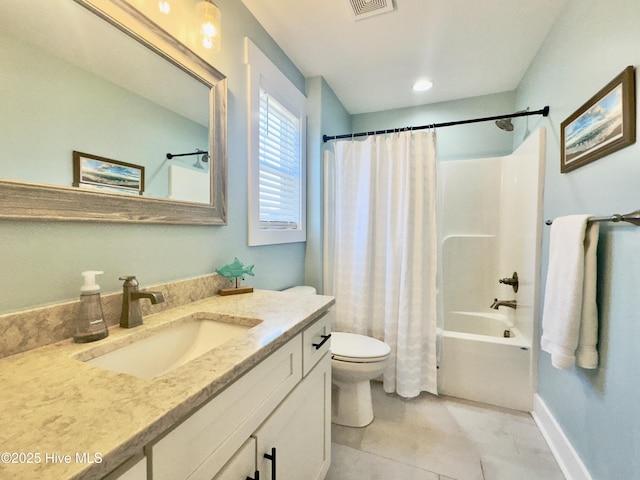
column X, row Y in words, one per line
column 505, row 124
column 201, row 158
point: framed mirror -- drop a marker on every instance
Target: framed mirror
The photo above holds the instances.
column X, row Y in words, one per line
column 99, row 95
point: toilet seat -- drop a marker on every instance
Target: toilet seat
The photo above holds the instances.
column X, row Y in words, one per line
column 354, row 348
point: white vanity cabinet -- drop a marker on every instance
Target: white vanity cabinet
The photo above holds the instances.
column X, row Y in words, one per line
column 242, row 465
column 133, row 469
column 297, row 436
column 271, row 406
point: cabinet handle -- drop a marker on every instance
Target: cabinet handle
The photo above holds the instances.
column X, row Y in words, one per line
column 256, row 477
column 272, row 457
column 324, row 340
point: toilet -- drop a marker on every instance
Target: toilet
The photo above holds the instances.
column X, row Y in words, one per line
column 355, row 361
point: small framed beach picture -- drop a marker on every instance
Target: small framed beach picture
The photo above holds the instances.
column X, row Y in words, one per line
column 99, row 173
column 604, row 124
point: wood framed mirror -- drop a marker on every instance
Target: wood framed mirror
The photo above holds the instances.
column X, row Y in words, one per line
column 32, row 135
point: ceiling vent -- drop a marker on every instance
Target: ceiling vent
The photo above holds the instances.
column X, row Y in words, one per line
column 367, row 8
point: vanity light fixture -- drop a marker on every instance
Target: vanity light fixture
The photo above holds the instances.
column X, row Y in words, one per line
column 164, row 6
column 210, row 25
column 422, row 85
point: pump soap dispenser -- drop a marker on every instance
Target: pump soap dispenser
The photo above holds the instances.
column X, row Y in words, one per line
column 90, row 325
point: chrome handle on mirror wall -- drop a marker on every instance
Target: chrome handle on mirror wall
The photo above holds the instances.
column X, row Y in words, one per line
column 513, row 281
column 325, row 338
column 272, row 457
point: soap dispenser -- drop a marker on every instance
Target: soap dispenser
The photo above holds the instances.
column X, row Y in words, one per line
column 90, row 325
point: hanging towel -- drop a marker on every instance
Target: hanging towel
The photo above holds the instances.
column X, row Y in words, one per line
column 570, row 314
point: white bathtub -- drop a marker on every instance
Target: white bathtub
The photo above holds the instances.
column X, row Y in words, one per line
column 479, row 323
column 478, row 363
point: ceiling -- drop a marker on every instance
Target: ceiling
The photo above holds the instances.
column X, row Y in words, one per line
column 466, row 48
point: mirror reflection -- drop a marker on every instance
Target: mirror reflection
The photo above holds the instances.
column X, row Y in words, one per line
column 79, row 84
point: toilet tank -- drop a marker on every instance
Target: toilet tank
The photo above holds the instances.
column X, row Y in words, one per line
column 301, row 290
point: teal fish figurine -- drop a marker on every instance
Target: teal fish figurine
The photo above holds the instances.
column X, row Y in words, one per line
column 235, row 269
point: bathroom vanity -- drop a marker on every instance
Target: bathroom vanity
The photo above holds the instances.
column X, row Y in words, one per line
column 259, row 402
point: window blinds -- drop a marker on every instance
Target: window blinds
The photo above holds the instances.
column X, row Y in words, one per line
column 280, row 165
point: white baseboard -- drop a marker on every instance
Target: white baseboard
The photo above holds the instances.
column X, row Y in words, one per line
column 566, row 456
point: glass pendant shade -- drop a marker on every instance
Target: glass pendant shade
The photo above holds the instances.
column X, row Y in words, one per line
column 164, row 6
column 210, row 25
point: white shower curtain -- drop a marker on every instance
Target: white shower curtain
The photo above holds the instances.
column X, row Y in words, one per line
column 380, row 250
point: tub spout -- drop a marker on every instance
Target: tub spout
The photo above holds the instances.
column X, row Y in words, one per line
column 503, row 303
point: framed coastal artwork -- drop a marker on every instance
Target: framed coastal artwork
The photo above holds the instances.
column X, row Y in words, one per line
column 604, row 124
column 92, row 171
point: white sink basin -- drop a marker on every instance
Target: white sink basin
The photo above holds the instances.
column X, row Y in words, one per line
column 161, row 350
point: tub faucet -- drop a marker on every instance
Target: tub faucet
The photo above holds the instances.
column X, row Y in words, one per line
column 131, row 314
column 503, row 303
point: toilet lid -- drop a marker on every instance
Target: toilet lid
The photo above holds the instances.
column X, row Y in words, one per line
column 351, row 346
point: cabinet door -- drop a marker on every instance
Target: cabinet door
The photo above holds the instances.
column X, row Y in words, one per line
column 242, row 465
column 133, row 469
column 299, row 430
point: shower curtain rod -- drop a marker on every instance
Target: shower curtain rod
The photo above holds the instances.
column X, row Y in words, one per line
column 197, row 152
column 544, row 112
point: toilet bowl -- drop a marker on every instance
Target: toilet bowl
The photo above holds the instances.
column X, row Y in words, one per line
column 355, row 361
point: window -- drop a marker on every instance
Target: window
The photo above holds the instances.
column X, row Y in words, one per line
column 276, row 154
column 280, row 165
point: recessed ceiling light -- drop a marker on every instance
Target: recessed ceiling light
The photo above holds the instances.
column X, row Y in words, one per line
column 422, row 86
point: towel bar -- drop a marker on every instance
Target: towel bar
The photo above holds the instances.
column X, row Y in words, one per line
column 633, row 217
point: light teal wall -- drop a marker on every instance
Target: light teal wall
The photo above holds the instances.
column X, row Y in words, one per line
column 326, row 116
column 591, row 43
column 79, row 110
column 454, row 143
column 40, row 262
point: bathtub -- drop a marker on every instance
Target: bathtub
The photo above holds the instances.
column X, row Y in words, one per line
column 478, row 362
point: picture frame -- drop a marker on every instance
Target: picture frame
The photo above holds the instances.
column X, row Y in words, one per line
column 94, row 172
column 604, row 124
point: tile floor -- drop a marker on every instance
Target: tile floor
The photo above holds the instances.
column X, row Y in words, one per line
column 441, row 438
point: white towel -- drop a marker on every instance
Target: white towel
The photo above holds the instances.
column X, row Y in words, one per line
column 570, row 314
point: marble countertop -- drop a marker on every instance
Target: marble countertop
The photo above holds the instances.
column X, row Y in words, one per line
column 57, row 413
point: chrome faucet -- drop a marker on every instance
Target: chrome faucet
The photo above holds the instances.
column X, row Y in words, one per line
column 503, row 303
column 131, row 314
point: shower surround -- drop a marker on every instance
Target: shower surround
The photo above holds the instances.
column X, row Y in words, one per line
column 491, row 227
